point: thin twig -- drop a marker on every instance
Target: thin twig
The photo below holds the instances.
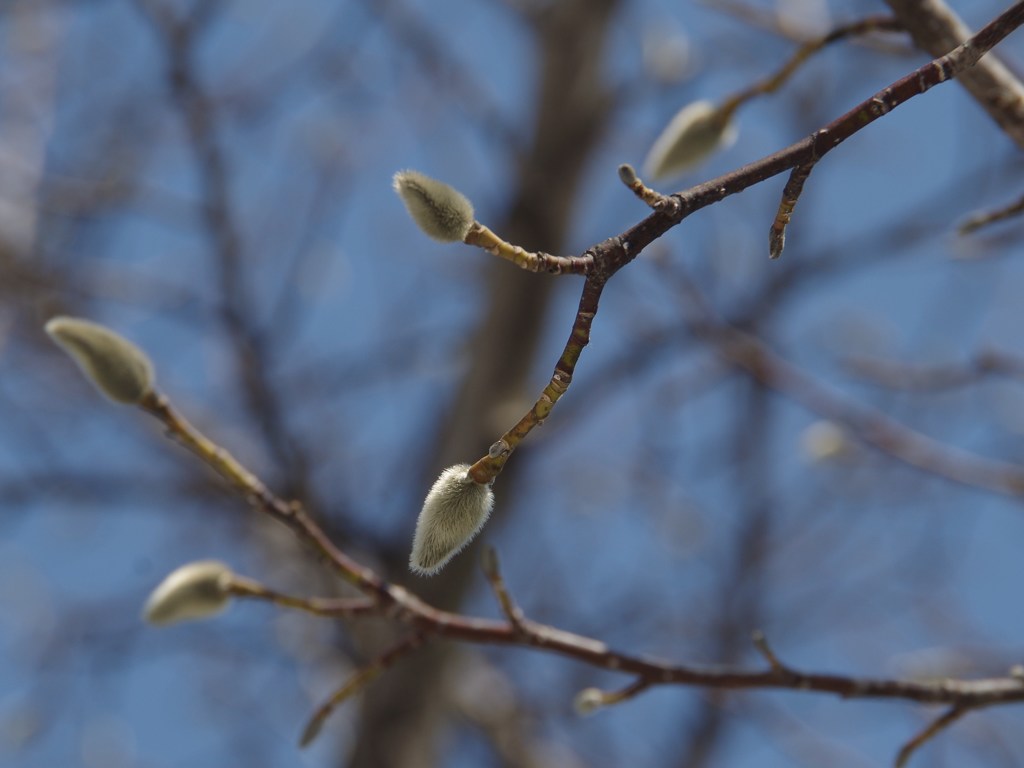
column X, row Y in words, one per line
column 509, row 607
column 357, row 682
column 945, row 720
column 319, row 606
column 762, row 646
column 652, row 198
column 807, row 49
column 979, row 220
column 790, row 194
column 488, row 467
column 935, row 378
column 482, row 237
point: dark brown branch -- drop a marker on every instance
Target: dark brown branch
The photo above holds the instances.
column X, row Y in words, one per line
column 936, row 29
column 398, row 604
column 619, row 251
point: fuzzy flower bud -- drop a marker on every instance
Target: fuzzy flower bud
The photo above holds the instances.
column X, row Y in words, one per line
column 453, row 513
column 442, row 212
column 697, row 131
column 118, row 368
column 824, row 441
column 193, row 591
column 588, row 701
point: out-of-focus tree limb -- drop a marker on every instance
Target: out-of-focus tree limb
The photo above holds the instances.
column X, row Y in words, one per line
column 937, row 29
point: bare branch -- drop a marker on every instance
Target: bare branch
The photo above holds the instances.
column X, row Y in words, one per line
column 944, row 721
column 979, row 220
column 936, row 29
column 356, row 683
column 509, row 607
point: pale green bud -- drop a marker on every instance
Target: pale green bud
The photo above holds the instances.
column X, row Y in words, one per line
column 118, row 368
column 824, row 441
column 193, row 591
column 588, row 701
column 696, row 132
column 453, row 513
column 439, row 210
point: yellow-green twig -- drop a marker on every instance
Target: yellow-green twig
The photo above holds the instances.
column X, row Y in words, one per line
column 319, row 606
column 483, row 237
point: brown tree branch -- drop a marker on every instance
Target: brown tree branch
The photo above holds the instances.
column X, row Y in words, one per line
column 936, row 29
column 398, row 604
column 755, row 358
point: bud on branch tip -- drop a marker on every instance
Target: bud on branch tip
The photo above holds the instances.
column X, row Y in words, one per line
column 193, row 591
column 696, row 132
column 441, row 211
column 118, row 368
column 453, row 513
column 588, row 701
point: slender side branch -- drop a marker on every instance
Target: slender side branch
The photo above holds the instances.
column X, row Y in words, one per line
column 489, row 467
column 357, row 682
column 319, row 606
column 755, row 358
column 945, row 720
column 936, row 378
column 509, row 607
column 979, row 220
column 762, row 646
column 790, row 194
column 483, row 237
column 653, row 199
column 775, row 81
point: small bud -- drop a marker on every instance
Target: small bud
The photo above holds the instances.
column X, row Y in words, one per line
column 118, row 368
column 588, row 701
column 698, row 130
column 824, row 441
column 439, row 210
column 193, row 591
column 453, row 513
column 627, row 174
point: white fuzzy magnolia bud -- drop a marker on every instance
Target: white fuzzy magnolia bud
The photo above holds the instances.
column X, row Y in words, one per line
column 696, row 132
column 453, row 513
column 588, row 701
column 118, row 368
column 824, row 441
column 439, row 210
column 193, row 591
